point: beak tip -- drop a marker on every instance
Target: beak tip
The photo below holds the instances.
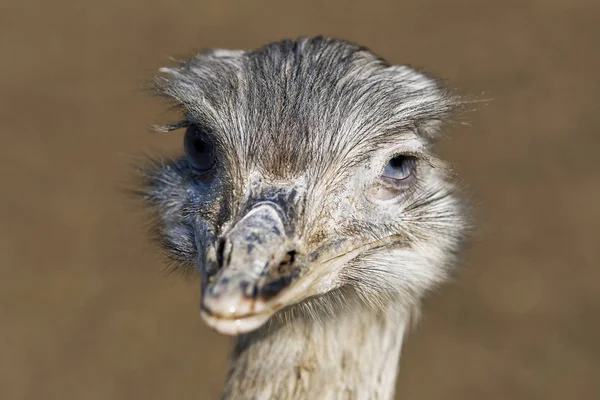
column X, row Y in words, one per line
column 235, row 326
column 232, row 313
column 226, row 305
column 232, row 304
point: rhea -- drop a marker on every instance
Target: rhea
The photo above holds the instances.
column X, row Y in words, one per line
column 312, row 206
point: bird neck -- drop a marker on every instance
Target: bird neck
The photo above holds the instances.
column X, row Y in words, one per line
column 352, row 355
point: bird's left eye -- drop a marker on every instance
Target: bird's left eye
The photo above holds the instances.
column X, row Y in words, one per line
column 198, row 149
column 400, row 169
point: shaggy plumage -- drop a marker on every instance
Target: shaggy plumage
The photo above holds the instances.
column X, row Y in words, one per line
column 304, row 247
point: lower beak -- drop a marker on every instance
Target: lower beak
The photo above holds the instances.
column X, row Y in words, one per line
column 256, row 266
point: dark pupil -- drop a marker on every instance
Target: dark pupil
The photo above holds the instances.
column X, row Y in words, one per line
column 397, row 162
column 198, row 149
column 199, row 146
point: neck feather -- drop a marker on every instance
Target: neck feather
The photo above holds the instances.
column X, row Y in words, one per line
column 353, row 355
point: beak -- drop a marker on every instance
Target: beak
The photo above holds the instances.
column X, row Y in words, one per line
column 256, row 265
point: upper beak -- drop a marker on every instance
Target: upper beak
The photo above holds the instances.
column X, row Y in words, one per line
column 256, row 264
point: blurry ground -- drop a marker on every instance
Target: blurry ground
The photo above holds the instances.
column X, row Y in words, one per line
column 85, row 310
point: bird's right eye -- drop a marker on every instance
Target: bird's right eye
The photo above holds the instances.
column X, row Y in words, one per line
column 198, row 149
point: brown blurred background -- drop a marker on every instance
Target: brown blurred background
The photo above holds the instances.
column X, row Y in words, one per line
column 86, row 310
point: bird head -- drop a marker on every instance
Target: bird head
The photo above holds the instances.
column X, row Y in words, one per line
column 308, row 174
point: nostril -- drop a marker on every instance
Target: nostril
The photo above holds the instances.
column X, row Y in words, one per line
column 289, row 257
column 287, row 261
column 220, row 251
